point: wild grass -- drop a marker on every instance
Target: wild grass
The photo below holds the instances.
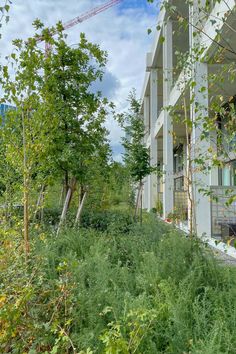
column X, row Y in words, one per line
column 142, row 289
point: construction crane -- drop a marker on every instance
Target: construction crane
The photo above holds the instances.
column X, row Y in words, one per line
column 90, row 13
column 95, row 11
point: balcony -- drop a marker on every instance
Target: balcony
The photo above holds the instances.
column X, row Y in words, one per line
column 181, row 205
column 180, row 212
column 223, row 216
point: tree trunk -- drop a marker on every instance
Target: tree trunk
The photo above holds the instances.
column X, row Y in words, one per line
column 62, row 195
column 82, row 192
column 26, row 218
column 66, row 182
column 141, row 207
column 66, row 204
column 80, row 208
column 138, row 198
column 40, row 202
column 42, row 207
column 189, row 176
column 26, row 191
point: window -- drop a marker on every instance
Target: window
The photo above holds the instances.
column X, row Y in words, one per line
column 179, row 184
column 226, row 122
column 227, row 175
column 178, row 158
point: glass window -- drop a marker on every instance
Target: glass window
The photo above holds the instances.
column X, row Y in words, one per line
column 227, row 175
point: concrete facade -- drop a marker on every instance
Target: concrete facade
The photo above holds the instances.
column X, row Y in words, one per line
column 166, row 84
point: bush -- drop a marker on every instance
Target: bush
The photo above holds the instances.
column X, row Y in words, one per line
column 146, row 290
column 119, row 221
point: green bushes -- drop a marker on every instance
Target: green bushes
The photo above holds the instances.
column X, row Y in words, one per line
column 148, row 290
column 119, row 221
column 104, row 220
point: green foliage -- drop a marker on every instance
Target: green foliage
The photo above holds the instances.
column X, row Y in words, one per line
column 57, row 127
column 109, row 187
column 4, row 10
column 136, row 153
column 80, row 146
column 115, row 221
column 149, row 290
column 159, row 207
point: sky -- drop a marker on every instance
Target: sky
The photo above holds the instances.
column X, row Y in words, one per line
column 120, row 30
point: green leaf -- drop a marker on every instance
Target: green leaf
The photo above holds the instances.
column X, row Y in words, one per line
column 162, row 39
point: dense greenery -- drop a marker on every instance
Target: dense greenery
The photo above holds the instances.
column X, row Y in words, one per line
column 146, row 289
column 104, row 284
column 137, row 155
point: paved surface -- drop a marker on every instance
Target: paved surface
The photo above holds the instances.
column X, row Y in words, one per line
column 223, row 258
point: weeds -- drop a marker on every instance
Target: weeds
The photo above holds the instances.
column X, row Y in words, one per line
column 145, row 290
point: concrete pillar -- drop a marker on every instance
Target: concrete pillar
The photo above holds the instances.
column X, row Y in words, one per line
column 168, row 181
column 214, row 177
column 153, row 147
column 199, row 110
column 145, row 193
column 201, row 179
column 146, row 115
column 147, row 128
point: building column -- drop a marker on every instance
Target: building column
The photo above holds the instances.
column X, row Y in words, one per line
column 200, row 179
column 146, row 116
column 146, row 181
column 152, row 195
column 168, row 179
column 199, row 147
column 214, row 181
column 145, row 193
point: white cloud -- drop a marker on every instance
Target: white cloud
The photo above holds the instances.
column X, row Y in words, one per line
column 123, row 33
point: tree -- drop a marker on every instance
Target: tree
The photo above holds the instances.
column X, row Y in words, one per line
column 136, row 155
column 57, row 125
column 80, row 136
column 25, row 132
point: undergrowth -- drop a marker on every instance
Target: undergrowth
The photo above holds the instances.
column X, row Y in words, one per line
column 119, row 288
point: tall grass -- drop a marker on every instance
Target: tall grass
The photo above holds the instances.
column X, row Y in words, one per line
column 147, row 289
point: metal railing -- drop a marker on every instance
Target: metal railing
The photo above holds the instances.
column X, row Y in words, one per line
column 181, row 204
column 223, row 212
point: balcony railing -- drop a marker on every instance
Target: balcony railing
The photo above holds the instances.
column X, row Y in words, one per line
column 181, row 205
column 223, row 213
column 180, row 211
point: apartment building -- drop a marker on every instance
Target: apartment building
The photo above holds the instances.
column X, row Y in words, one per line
column 211, row 26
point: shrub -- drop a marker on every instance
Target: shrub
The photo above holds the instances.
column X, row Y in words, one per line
column 146, row 290
column 119, row 221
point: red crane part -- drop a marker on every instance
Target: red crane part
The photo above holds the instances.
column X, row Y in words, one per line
column 95, row 11
column 90, row 13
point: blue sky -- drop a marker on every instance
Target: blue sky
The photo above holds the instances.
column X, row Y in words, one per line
column 121, row 30
column 136, row 4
